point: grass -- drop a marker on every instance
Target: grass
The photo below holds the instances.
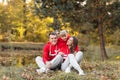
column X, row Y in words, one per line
column 93, row 70
column 92, row 65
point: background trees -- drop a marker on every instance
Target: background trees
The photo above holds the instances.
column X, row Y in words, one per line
column 79, row 12
column 18, row 22
column 21, row 21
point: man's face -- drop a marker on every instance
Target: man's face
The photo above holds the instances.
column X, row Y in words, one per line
column 53, row 39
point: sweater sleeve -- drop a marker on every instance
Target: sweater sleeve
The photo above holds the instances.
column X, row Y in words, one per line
column 77, row 49
column 46, row 53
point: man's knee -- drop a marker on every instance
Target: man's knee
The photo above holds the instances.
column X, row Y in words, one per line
column 59, row 56
column 37, row 58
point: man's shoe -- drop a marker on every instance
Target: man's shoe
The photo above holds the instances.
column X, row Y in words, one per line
column 48, row 71
column 81, row 72
column 41, row 70
column 67, row 70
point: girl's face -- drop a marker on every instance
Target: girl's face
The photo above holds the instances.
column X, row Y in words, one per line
column 64, row 37
column 70, row 41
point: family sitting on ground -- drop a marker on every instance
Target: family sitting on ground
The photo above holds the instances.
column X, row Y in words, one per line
column 60, row 51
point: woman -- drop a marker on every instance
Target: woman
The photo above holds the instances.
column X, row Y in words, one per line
column 72, row 56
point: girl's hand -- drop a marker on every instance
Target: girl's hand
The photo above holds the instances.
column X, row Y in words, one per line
column 61, row 53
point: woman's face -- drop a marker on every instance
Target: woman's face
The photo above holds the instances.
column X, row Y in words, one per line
column 70, row 41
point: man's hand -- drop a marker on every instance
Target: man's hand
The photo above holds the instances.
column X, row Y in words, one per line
column 48, row 64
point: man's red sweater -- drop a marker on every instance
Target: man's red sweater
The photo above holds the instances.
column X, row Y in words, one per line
column 49, row 52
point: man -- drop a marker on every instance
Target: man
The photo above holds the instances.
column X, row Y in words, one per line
column 51, row 57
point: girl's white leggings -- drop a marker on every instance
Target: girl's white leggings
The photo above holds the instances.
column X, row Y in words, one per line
column 55, row 62
column 72, row 60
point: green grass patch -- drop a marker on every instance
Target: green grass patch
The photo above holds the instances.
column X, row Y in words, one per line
column 22, row 66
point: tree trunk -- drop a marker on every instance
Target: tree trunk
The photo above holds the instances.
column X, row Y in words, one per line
column 100, row 29
column 102, row 42
column 24, row 16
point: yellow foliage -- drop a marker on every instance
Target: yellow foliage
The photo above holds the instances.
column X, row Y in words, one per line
column 63, row 27
column 1, row 37
column 117, row 57
column 48, row 20
column 68, row 24
column 10, row 9
column 75, row 33
column 51, row 29
column 19, row 62
column 21, row 31
column 37, row 20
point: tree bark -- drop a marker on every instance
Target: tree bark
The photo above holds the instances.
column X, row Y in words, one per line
column 100, row 30
column 102, row 42
column 24, row 16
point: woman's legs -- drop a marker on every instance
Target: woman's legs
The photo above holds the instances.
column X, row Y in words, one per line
column 79, row 56
column 74, row 64
column 70, row 62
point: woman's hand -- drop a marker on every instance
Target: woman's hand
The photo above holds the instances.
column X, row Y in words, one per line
column 74, row 53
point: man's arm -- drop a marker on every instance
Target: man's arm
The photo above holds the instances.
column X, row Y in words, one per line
column 46, row 53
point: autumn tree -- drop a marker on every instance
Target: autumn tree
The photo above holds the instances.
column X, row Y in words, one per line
column 78, row 12
column 18, row 22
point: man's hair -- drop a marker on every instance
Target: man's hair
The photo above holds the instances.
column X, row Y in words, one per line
column 52, row 33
